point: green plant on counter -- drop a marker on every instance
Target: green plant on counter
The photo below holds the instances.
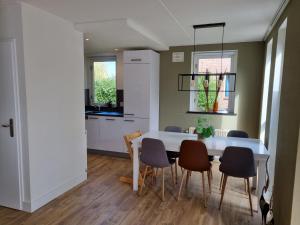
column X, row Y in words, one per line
column 203, row 129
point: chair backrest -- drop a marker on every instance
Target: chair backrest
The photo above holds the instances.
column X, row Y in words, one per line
column 238, row 162
column 128, row 138
column 237, row 133
column 153, row 153
column 173, row 129
column 193, row 156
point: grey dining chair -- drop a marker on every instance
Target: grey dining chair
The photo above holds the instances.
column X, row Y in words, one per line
column 173, row 129
column 238, row 134
column 153, row 154
column 237, row 162
column 171, row 154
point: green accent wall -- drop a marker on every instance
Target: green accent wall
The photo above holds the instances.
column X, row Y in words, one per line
column 289, row 114
column 250, row 66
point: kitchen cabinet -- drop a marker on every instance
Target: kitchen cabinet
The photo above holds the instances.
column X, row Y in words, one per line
column 92, row 126
column 111, row 136
column 106, row 133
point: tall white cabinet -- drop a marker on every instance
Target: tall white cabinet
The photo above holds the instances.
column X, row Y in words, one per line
column 141, row 87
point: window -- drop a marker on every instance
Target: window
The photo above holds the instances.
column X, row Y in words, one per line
column 104, row 80
column 210, row 62
column 264, row 105
column 276, row 93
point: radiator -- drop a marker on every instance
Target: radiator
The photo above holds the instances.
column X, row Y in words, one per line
column 221, row 132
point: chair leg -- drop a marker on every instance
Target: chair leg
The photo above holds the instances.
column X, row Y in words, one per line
column 211, row 174
column 249, row 193
column 143, row 181
column 173, row 180
column 222, row 177
column 245, row 185
column 187, row 179
column 203, row 186
column 181, row 183
column 209, row 180
column 223, row 189
column 176, row 172
column 163, row 185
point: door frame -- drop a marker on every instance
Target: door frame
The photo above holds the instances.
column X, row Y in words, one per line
column 17, row 123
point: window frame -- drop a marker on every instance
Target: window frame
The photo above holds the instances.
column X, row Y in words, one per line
column 112, row 58
column 233, row 54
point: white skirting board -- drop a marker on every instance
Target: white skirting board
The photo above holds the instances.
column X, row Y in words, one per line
column 61, row 189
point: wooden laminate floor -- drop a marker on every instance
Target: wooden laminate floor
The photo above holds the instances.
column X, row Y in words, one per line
column 102, row 199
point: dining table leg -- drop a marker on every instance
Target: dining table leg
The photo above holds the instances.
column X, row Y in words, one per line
column 261, row 179
column 136, row 167
column 254, row 179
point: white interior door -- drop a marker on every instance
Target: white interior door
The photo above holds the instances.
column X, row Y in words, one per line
column 9, row 148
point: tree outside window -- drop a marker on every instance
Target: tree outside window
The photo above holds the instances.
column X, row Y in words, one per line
column 104, row 82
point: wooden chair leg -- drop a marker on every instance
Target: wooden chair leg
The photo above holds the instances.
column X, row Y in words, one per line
column 203, row 186
column 249, row 193
column 163, row 185
column 187, row 179
column 223, row 189
column 211, row 174
column 222, row 177
column 173, row 180
column 176, row 172
column 181, row 183
column 143, row 180
column 209, row 180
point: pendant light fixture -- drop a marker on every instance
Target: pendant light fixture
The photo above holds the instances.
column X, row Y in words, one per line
column 189, row 80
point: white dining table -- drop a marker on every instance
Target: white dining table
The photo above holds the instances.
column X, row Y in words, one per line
column 215, row 146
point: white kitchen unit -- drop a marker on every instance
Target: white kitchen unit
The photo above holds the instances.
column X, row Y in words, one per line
column 106, row 133
column 141, row 86
column 141, row 104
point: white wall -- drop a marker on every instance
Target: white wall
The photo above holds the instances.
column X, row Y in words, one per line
column 54, row 68
column 296, row 198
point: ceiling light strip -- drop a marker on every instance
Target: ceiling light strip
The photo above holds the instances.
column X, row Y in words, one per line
column 279, row 12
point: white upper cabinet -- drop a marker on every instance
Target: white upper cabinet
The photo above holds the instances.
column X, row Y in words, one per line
column 139, row 56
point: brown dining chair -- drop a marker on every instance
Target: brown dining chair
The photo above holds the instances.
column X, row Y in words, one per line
column 194, row 157
column 172, row 154
column 237, row 162
column 128, row 141
column 153, row 155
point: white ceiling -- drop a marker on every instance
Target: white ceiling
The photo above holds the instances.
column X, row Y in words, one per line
column 158, row 24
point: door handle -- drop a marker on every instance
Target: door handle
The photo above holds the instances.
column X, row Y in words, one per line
column 10, row 126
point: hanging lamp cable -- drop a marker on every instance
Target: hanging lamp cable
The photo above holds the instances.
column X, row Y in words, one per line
column 193, row 77
column 222, row 54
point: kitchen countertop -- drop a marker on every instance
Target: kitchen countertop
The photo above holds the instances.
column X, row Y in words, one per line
column 104, row 113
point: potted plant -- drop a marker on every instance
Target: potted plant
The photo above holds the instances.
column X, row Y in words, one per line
column 203, row 129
